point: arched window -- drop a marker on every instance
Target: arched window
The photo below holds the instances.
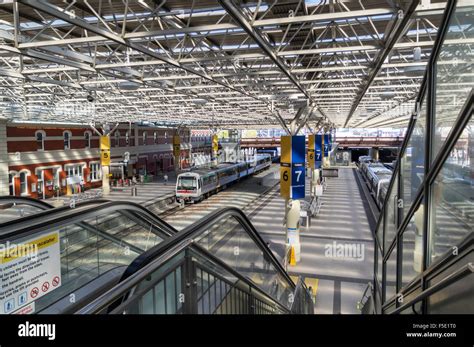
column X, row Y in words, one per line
column 87, row 139
column 127, row 139
column 144, row 136
column 155, row 137
column 67, row 139
column 23, row 183
column 40, row 135
column 117, row 138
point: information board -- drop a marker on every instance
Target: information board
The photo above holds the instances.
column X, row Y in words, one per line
column 292, row 168
column 105, row 150
column 28, row 271
column 311, row 151
column 318, row 151
column 176, row 146
column 326, row 145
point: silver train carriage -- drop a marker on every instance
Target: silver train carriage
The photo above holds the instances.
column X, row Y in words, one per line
column 196, row 185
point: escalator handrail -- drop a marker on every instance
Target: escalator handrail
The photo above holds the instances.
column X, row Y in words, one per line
column 48, row 208
column 200, row 226
column 196, row 248
column 59, row 216
column 24, row 200
column 301, row 285
column 124, row 286
column 467, row 269
column 149, row 261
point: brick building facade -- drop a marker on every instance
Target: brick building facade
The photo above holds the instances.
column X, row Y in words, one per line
column 40, row 160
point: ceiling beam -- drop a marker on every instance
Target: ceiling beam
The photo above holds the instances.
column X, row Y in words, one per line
column 400, row 26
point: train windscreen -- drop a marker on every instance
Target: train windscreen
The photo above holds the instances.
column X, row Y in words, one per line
column 187, row 183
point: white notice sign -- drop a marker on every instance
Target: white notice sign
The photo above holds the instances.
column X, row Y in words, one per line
column 28, row 271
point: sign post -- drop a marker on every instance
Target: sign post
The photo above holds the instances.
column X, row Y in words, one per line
column 318, row 151
column 292, row 186
column 215, row 149
column 326, row 150
column 176, row 152
column 105, row 163
column 292, row 167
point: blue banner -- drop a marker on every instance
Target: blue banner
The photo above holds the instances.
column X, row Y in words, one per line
column 298, row 149
column 318, row 151
column 326, row 145
column 298, row 157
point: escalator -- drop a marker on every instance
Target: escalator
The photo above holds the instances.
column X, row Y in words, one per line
column 118, row 257
column 96, row 241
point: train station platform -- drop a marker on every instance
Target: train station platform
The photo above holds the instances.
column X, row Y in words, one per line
column 338, row 282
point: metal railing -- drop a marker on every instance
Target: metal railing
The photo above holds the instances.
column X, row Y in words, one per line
column 190, row 239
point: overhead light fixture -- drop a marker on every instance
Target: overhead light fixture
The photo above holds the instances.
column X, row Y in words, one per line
column 129, row 85
column 416, row 69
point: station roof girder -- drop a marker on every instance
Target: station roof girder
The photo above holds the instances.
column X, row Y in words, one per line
column 198, row 61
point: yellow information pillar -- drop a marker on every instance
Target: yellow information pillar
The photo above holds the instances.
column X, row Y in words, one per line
column 105, row 163
column 215, row 149
column 176, row 152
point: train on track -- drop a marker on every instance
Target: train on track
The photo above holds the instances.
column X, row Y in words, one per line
column 377, row 176
column 197, row 185
column 272, row 151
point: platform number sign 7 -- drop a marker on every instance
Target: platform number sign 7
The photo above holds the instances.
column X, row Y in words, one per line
column 298, row 174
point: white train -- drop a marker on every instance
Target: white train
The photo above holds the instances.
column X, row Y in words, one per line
column 196, row 185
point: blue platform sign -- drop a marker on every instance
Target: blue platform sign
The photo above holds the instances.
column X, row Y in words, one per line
column 292, row 167
column 298, row 156
column 318, row 151
column 326, row 145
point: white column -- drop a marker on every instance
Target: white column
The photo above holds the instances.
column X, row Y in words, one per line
column 293, row 228
column 4, row 187
column 105, row 180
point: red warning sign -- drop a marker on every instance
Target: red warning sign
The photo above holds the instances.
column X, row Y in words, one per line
column 34, row 292
column 55, row 281
column 45, row 286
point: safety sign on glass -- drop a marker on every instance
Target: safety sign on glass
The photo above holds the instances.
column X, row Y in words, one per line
column 28, row 271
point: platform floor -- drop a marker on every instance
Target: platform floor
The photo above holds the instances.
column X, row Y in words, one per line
column 338, row 278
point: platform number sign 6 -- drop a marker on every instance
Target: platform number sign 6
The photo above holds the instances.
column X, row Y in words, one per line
column 285, row 176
